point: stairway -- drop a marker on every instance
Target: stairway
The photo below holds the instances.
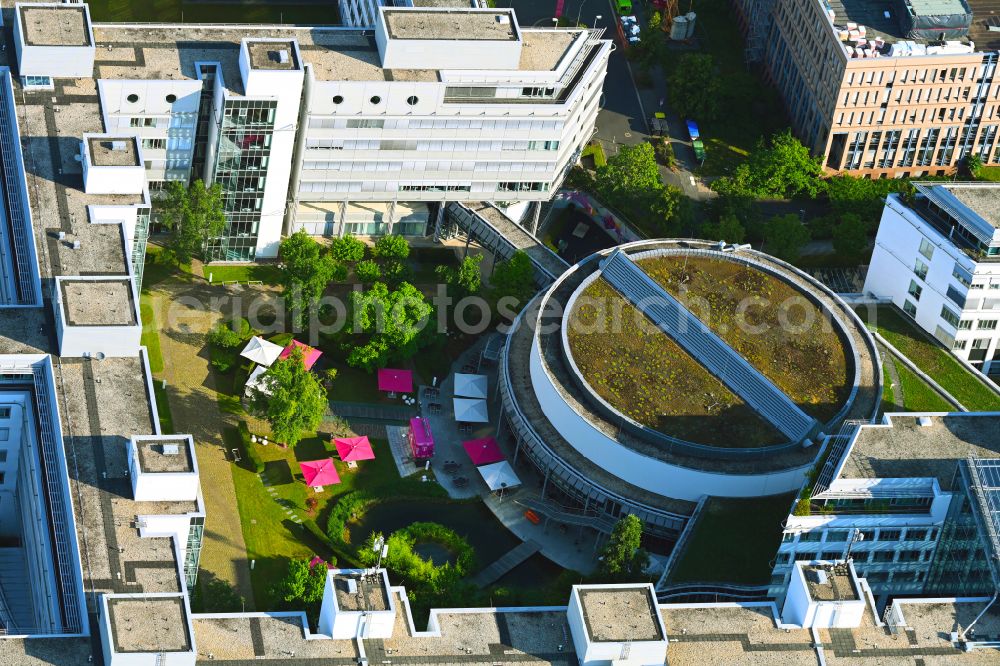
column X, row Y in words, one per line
column 706, row 347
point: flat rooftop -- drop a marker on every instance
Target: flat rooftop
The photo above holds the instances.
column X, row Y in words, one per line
column 148, row 624
column 154, row 459
column 272, row 55
column 910, row 450
column 830, row 583
column 459, row 24
column 444, row 4
column 98, row 302
column 369, row 595
column 622, row 614
column 872, row 15
column 981, row 198
column 542, row 50
column 113, row 151
column 65, row 25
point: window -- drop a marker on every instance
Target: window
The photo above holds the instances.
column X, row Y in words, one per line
column 949, row 316
column 987, row 325
column 36, row 81
column 806, row 556
column 909, row 308
column 3, row 455
column 915, row 290
column 365, row 123
column 154, row 144
column 926, row 248
column 965, row 325
column 142, row 122
column 836, row 536
column 133, row 98
column 831, row 555
column 338, row 99
column 811, row 536
column 909, row 556
column 412, row 100
column 782, row 558
column 867, row 535
column 889, row 535
column 960, row 345
column 956, row 296
column 883, row 555
column 962, row 275
column 981, row 343
column 916, row 535
column 920, row 269
column 788, row 537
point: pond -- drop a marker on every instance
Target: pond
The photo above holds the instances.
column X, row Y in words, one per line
column 471, row 520
column 434, row 552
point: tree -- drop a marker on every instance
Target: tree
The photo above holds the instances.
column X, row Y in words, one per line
column 389, row 323
column 632, row 170
column 193, row 215
column 368, row 271
column 779, row 169
column 465, row 280
column 347, row 249
column 295, row 400
column 622, row 556
column 850, row 237
column 309, row 268
column 391, row 247
column 728, row 228
column 514, row 278
column 974, row 165
column 230, row 334
column 695, row 88
column 864, row 197
column 303, row 583
column 785, row 237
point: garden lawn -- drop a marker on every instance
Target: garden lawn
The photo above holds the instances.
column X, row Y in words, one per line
column 269, row 274
column 647, row 376
column 271, row 536
column 731, row 136
column 150, row 334
column 734, row 541
column 918, row 395
column 936, row 361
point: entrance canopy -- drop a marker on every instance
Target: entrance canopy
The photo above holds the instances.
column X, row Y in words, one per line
column 483, row 451
column 353, row 449
column 319, row 473
column 471, row 411
column 499, row 476
column 395, row 380
column 261, row 351
column 470, row 386
column 309, row 355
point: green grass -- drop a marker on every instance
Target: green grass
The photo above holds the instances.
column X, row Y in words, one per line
column 163, row 408
column 990, row 174
column 269, row 274
column 150, row 335
column 158, row 268
column 918, row 396
column 936, row 361
column 595, row 150
column 734, row 541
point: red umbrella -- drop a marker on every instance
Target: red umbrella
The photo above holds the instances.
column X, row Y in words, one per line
column 319, row 473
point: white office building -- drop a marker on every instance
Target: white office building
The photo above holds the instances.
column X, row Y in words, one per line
column 937, row 258
column 335, row 130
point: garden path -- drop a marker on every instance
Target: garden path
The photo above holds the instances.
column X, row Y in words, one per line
column 195, row 408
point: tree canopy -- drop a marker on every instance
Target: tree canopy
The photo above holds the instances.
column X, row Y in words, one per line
column 781, row 168
column 850, row 237
column 632, row 170
column 466, row 280
column 695, row 88
column 784, row 236
column 391, row 247
column 622, row 556
column 194, row 215
column 386, row 324
column 514, row 278
column 297, row 399
column 347, row 249
column 303, row 583
column 309, row 268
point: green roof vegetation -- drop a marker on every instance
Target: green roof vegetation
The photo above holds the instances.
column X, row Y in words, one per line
column 788, row 338
column 644, row 374
column 917, row 395
column 935, row 360
column 734, row 541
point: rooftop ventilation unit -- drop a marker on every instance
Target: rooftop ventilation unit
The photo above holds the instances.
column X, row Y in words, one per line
column 352, row 586
column 119, row 145
column 171, row 450
column 76, row 245
column 283, row 57
column 924, row 421
column 503, row 19
column 817, row 576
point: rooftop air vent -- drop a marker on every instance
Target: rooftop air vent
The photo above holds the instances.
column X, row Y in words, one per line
column 171, row 450
column 352, row 586
column 283, row 57
column 503, row 19
column 924, row 421
column 119, row 145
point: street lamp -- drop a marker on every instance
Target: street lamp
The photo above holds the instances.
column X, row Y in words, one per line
column 555, row 22
column 596, row 19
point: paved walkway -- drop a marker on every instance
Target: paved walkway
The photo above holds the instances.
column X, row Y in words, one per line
column 400, row 447
column 515, row 556
column 195, row 410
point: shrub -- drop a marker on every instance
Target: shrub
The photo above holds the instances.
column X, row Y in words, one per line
column 252, row 456
column 802, row 508
column 352, row 505
column 368, row 271
column 665, row 153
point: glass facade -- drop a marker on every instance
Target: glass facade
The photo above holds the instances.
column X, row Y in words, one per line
column 241, row 169
column 195, row 535
column 139, row 245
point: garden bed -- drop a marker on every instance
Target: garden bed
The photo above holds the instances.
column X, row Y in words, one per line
column 644, row 374
column 794, row 346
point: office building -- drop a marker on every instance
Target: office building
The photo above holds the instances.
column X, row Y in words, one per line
column 937, row 257
column 883, row 89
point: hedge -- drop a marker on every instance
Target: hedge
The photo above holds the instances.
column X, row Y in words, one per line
column 352, row 505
